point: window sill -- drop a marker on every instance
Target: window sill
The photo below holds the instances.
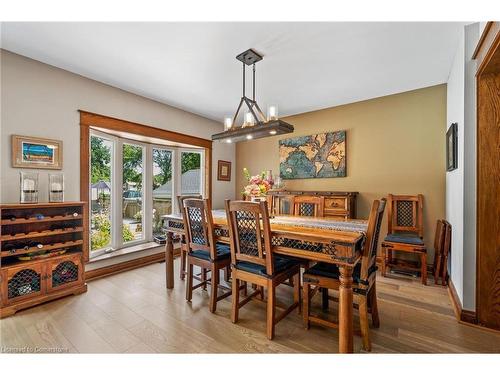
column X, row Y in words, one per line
column 126, row 250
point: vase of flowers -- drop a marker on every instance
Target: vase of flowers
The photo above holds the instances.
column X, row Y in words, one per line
column 257, row 186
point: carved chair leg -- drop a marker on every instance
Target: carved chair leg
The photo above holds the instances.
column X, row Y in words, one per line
column 214, row 286
column 296, row 291
column 363, row 322
column 389, row 256
column 261, row 295
column 324, row 298
column 423, row 261
column 204, row 277
column 183, row 264
column 245, row 291
column 227, row 274
column 235, row 296
column 373, row 306
column 384, row 260
column 189, row 284
column 271, row 310
column 306, row 300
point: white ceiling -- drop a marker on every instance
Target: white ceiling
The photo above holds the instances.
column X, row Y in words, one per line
column 306, row 66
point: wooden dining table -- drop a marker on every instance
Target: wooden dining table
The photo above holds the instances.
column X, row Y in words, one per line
column 315, row 239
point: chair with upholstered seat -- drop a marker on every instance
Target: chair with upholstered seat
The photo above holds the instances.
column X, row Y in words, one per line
column 308, row 206
column 253, row 260
column 405, row 232
column 184, row 246
column 203, row 249
column 324, row 276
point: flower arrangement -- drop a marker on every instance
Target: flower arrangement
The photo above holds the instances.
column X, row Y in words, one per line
column 258, row 185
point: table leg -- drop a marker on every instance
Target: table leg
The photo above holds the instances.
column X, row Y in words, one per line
column 169, row 260
column 345, row 310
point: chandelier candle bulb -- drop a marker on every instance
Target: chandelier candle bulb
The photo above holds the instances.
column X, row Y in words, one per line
column 228, row 123
column 248, row 119
column 272, row 113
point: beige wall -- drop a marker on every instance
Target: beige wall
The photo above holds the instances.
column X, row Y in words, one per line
column 395, row 144
column 43, row 101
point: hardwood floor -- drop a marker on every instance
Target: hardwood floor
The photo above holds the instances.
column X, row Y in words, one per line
column 133, row 312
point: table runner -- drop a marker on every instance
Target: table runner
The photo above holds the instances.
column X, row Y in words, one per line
column 359, row 226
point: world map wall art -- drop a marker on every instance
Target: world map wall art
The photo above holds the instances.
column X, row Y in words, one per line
column 313, row 156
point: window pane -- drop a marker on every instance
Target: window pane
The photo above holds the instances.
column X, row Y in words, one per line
column 101, row 151
column 190, row 173
column 162, row 187
column 132, row 193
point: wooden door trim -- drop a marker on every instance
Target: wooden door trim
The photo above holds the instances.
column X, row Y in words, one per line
column 487, row 55
column 487, row 46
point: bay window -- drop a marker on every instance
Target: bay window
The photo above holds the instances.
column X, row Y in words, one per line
column 132, row 184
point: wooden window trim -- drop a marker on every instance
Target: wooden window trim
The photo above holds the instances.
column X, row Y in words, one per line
column 89, row 119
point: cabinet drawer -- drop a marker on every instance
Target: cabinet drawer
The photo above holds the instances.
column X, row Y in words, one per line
column 336, row 204
column 337, row 216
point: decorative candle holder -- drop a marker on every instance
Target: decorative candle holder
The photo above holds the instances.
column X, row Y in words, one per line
column 29, row 187
column 56, row 187
column 272, row 113
column 228, row 123
column 248, row 119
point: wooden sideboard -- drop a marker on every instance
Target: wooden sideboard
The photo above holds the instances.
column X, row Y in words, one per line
column 341, row 205
column 41, row 253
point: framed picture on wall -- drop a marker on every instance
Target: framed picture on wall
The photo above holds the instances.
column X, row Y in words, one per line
column 224, row 170
column 451, row 147
column 36, row 153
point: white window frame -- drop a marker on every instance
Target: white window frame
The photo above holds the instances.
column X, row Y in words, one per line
column 113, row 139
column 179, row 166
column 174, row 177
column 116, row 200
column 144, row 196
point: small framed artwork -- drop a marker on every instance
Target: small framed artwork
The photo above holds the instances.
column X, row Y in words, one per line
column 451, row 147
column 224, row 170
column 36, row 153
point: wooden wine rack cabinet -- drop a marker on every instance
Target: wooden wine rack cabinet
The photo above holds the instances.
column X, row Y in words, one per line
column 53, row 237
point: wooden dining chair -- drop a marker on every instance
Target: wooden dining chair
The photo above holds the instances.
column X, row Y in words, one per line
column 308, row 206
column 283, row 204
column 326, row 276
column 405, row 232
column 446, row 252
column 438, row 249
column 184, row 247
column 203, row 249
column 253, row 260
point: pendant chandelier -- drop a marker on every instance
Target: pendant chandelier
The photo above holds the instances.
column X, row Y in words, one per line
column 255, row 123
